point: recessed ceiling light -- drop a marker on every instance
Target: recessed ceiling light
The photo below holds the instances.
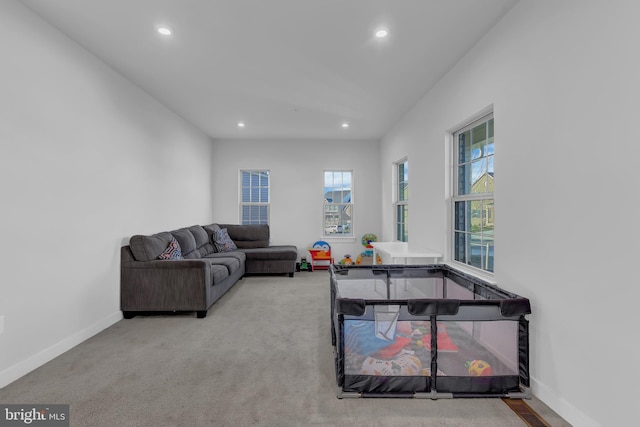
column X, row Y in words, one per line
column 382, row 33
column 345, row 125
column 165, row 31
column 240, row 124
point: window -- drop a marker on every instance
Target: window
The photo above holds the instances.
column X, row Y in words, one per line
column 254, row 196
column 402, row 199
column 338, row 203
column 473, row 207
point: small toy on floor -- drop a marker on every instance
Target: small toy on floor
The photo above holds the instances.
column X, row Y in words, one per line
column 346, row 260
column 303, row 265
column 366, row 257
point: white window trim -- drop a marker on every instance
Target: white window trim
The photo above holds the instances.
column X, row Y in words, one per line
column 241, row 204
column 453, row 190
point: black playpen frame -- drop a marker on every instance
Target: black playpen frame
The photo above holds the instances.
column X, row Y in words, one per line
column 494, row 304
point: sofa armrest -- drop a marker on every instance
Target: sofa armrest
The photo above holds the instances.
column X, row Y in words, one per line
column 165, row 285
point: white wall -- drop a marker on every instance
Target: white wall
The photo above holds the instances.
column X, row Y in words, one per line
column 87, row 160
column 297, row 187
column 562, row 77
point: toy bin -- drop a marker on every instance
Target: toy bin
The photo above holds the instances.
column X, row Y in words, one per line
column 426, row 331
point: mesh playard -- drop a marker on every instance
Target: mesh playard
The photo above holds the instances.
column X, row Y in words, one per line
column 426, row 331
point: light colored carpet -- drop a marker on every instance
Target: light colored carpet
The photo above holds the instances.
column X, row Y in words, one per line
column 262, row 356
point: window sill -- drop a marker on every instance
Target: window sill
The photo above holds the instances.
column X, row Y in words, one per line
column 349, row 239
column 476, row 272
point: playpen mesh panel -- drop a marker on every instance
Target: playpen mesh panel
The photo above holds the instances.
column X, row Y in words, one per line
column 464, row 348
column 477, row 348
column 372, row 349
column 394, row 289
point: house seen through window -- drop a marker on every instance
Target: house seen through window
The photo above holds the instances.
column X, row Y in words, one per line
column 338, row 204
column 473, row 202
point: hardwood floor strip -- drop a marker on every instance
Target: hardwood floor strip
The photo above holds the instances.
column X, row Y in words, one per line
column 524, row 411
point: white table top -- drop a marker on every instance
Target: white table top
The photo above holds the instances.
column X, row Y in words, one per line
column 402, row 250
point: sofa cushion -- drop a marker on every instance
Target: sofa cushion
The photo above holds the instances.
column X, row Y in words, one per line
column 284, row 252
column 223, row 242
column 200, row 234
column 240, row 256
column 211, row 231
column 248, row 236
column 218, row 273
column 231, row 263
column 147, row 248
column 172, row 251
column 203, row 245
column 186, row 240
column 201, row 252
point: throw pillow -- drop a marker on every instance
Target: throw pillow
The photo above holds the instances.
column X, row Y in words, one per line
column 223, row 242
column 173, row 251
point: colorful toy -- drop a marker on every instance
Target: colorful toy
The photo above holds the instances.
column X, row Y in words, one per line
column 479, row 368
column 445, row 343
column 366, row 257
column 304, row 266
column 346, row 260
column 404, row 364
column 367, row 239
column 321, row 257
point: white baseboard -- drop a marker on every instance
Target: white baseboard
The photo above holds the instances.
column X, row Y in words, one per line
column 563, row 408
column 21, row 369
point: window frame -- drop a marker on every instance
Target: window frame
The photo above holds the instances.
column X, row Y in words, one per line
column 243, row 204
column 487, row 210
column 400, row 202
column 345, row 206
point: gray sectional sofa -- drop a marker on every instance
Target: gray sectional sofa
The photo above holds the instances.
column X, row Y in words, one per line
column 201, row 267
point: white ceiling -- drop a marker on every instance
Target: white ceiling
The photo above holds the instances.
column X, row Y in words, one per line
column 287, row 68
